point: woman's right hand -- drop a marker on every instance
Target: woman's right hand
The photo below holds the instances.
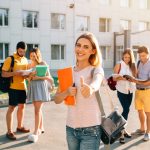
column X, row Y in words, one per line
column 71, row 91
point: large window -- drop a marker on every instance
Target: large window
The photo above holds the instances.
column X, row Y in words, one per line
column 104, row 2
column 119, row 50
column 58, row 21
column 106, row 52
column 29, row 48
column 104, row 24
column 143, row 26
column 125, row 25
column 125, row 3
column 142, row 4
column 30, row 19
column 4, row 50
column 82, row 23
column 3, row 17
column 57, row 52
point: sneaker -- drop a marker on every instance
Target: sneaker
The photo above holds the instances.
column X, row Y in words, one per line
column 146, row 137
column 11, row 136
column 122, row 140
column 23, row 130
column 138, row 132
column 33, row 138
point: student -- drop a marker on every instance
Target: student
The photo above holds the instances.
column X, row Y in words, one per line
column 125, row 88
column 38, row 92
column 17, row 93
column 142, row 95
column 83, row 119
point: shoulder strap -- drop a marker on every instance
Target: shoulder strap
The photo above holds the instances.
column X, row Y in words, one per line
column 12, row 65
column 138, row 63
column 98, row 97
column 119, row 68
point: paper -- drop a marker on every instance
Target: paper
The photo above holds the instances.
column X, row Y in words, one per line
column 65, row 77
column 26, row 72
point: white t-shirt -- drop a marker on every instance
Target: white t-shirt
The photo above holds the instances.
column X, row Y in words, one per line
column 125, row 86
column 85, row 112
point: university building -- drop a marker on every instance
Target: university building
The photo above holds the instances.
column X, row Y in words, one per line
column 53, row 26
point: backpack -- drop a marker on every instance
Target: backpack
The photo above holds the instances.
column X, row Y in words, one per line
column 111, row 83
column 5, row 81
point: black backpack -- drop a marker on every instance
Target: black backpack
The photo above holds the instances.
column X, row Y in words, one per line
column 5, row 81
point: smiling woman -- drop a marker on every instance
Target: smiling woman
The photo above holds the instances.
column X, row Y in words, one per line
column 83, row 117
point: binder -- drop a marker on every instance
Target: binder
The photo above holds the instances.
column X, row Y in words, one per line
column 41, row 70
column 65, row 78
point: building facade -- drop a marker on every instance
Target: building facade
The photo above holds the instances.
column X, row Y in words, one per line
column 53, row 26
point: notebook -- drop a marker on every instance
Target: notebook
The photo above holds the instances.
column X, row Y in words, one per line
column 41, row 70
column 65, row 78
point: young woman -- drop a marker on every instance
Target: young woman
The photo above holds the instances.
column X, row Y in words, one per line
column 38, row 92
column 125, row 88
column 83, row 121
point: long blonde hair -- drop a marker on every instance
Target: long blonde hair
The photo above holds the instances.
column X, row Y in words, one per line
column 38, row 56
column 132, row 60
column 94, row 59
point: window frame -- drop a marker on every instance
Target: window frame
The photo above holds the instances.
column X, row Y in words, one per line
column 3, row 17
column 33, row 13
column 4, row 50
column 59, row 28
column 60, row 52
column 106, row 23
column 87, row 21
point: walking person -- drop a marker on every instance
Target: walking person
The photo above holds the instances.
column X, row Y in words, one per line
column 38, row 92
column 142, row 94
column 125, row 88
column 17, row 93
column 83, row 119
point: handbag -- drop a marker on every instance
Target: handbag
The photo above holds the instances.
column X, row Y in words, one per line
column 111, row 126
column 111, row 83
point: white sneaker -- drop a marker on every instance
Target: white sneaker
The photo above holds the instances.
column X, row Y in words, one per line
column 33, row 138
column 146, row 137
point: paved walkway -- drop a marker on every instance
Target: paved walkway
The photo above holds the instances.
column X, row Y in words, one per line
column 54, row 122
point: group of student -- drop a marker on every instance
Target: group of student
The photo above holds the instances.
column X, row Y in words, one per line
column 83, row 119
column 37, row 91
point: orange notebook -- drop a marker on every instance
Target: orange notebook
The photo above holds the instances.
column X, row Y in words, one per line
column 65, row 77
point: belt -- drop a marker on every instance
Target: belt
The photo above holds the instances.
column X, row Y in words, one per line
column 143, row 89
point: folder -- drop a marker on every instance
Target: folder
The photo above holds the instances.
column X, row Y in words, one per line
column 65, row 78
column 41, row 70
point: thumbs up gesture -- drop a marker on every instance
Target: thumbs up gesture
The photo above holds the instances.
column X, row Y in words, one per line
column 86, row 90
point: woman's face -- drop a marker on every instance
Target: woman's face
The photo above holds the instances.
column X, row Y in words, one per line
column 83, row 49
column 126, row 58
column 32, row 56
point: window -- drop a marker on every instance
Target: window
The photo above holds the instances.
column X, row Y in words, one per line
column 3, row 17
column 135, row 49
column 104, row 2
column 4, row 50
column 124, row 3
column 104, row 25
column 58, row 21
column 119, row 50
column 143, row 26
column 106, row 52
column 125, row 25
column 30, row 19
column 57, row 52
column 82, row 23
column 144, row 4
column 29, row 48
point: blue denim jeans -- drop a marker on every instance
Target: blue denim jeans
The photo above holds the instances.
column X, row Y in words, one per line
column 83, row 138
column 125, row 101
